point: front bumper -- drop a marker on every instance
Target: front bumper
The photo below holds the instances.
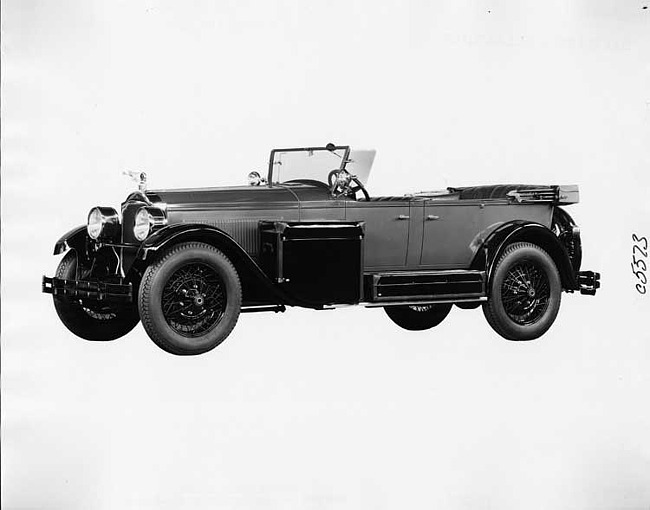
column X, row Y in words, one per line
column 588, row 282
column 86, row 289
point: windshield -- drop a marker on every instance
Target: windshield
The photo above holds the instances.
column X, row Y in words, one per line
column 316, row 163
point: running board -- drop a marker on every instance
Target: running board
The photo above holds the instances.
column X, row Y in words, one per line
column 436, row 301
column 451, row 285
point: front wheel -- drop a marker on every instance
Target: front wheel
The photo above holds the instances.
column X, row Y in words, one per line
column 525, row 293
column 92, row 320
column 190, row 299
column 418, row 317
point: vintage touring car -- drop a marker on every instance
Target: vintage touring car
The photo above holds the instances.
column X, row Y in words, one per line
column 186, row 262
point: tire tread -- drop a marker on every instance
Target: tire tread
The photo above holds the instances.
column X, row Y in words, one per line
column 145, row 293
column 81, row 324
column 490, row 310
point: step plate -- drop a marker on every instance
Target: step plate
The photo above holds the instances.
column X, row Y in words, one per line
column 430, row 285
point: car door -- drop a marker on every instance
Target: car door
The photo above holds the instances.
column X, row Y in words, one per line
column 386, row 231
column 449, row 231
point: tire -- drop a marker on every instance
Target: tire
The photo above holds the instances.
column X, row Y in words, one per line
column 190, row 299
column 525, row 293
column 468, row 305
column 99, row 322
column 418, row 317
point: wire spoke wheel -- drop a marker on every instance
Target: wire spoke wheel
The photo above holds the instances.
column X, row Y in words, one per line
column 193, row 300
column 105, row 313
column 418, row 317
column 190, row 298
column 91, row 319
column 421, row 308
column 525, row 293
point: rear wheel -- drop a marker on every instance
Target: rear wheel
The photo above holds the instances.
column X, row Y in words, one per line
column 418, row 317
column 92, row 320
column 190, row 299
column 525, row 293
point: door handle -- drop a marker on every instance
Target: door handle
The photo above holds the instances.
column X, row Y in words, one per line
column 431, row 217
column 403, row 217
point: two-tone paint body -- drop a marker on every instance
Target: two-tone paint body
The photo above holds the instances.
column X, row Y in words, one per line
column 415, row 233
column 186, row 262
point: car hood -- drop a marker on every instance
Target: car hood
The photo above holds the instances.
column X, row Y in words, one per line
column 233, row 195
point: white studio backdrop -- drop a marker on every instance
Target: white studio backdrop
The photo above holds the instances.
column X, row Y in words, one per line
column 326, row 409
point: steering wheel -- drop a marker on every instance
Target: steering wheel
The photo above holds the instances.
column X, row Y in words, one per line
column 338, row 190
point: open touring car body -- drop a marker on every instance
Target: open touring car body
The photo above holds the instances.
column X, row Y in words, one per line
column 309, row 234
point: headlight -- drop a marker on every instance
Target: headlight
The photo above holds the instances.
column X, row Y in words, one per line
column 254, row 179
column 142, row 225
column 103, row 222
column 147, row 220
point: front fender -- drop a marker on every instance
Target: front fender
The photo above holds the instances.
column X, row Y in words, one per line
column 184, row 232
column 520, row 231
column 75, row 238
column 253, row 278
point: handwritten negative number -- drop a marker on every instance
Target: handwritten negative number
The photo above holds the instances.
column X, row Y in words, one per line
column 639, row 265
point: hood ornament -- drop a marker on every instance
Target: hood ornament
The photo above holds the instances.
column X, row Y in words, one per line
column 139, row 177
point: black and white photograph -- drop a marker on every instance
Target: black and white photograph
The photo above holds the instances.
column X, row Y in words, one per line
column 325, row 255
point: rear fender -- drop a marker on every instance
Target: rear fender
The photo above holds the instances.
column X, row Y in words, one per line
column 520, row 231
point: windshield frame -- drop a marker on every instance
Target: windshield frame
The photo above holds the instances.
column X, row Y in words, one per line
column 330, row 148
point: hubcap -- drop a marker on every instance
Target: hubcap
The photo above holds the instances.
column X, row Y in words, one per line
column 525, row 293
column 194, row 300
